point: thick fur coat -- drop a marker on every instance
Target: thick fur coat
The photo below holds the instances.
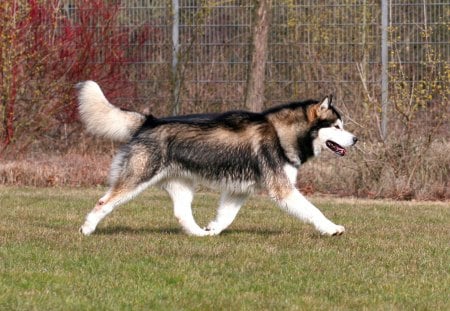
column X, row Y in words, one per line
column 236, row 152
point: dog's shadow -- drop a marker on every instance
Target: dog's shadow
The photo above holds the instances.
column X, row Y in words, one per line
column 115, row 230
column 136, row 230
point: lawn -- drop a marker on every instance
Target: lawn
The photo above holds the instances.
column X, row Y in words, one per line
column 392, row 256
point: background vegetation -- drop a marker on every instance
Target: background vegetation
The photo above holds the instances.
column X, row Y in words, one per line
column 313, row 50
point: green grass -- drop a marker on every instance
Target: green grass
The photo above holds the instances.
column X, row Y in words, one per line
column 393, row 256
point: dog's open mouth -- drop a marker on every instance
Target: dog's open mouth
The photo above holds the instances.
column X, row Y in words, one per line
column 340, row 151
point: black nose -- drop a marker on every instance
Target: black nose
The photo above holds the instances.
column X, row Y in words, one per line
column 355, row 139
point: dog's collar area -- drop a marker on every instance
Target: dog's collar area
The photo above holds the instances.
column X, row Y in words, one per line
column 339, row 150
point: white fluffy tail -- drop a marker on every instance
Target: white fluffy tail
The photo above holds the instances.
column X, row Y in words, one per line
column 103, row 119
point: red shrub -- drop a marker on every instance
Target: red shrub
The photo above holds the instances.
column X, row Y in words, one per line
column 45, row 51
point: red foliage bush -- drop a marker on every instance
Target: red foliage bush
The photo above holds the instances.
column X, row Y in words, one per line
column 45, row 50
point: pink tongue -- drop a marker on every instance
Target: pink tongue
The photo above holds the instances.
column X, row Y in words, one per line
column 336, row 148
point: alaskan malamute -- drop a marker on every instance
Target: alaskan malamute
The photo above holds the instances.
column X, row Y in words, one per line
column 237, row 152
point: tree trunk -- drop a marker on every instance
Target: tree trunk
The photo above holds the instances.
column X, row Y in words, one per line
column 254, row 98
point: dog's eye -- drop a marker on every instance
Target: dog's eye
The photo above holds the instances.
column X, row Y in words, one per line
column 337, row 126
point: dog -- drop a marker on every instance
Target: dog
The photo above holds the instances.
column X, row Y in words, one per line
column 237, row 152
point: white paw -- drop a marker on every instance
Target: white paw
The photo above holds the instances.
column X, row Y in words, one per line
column 87, row 229
column 213, row 228
column 212, row 232
column 196, row 232
column 332, row 230
column 326, row 227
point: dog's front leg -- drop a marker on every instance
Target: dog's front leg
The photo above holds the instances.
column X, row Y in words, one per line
column 297, row 205
column 230, row 203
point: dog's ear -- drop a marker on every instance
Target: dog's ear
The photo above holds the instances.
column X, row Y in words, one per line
column 325, row 103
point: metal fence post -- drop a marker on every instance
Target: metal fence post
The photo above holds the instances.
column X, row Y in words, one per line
column 175, row 54
column 384, row 68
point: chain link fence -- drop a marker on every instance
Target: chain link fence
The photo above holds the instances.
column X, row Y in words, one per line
column 315, row 48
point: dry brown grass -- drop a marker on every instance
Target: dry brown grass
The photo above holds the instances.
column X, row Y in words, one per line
column 70, row 169
column 368, row 171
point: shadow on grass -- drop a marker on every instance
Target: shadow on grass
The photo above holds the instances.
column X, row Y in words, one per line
column 255, row 231
column 178, row 231
column 136, row 231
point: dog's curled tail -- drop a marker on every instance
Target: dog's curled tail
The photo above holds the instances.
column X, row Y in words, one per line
column 103, row 119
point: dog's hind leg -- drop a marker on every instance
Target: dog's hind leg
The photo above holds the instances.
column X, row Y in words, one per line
column 230, row 204
column 116, row 196
column 134, row 168
column 182, row 192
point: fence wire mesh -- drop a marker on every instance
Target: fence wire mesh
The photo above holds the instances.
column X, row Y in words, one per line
column 315, row 48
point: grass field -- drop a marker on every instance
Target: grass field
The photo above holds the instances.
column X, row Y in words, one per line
column 393, row 256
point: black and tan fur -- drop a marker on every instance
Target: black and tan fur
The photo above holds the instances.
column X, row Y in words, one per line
column 237, row 152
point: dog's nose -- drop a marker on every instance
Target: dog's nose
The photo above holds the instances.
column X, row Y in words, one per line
column 355, row 139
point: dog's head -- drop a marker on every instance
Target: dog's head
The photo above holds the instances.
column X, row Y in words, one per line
column 328, row 129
